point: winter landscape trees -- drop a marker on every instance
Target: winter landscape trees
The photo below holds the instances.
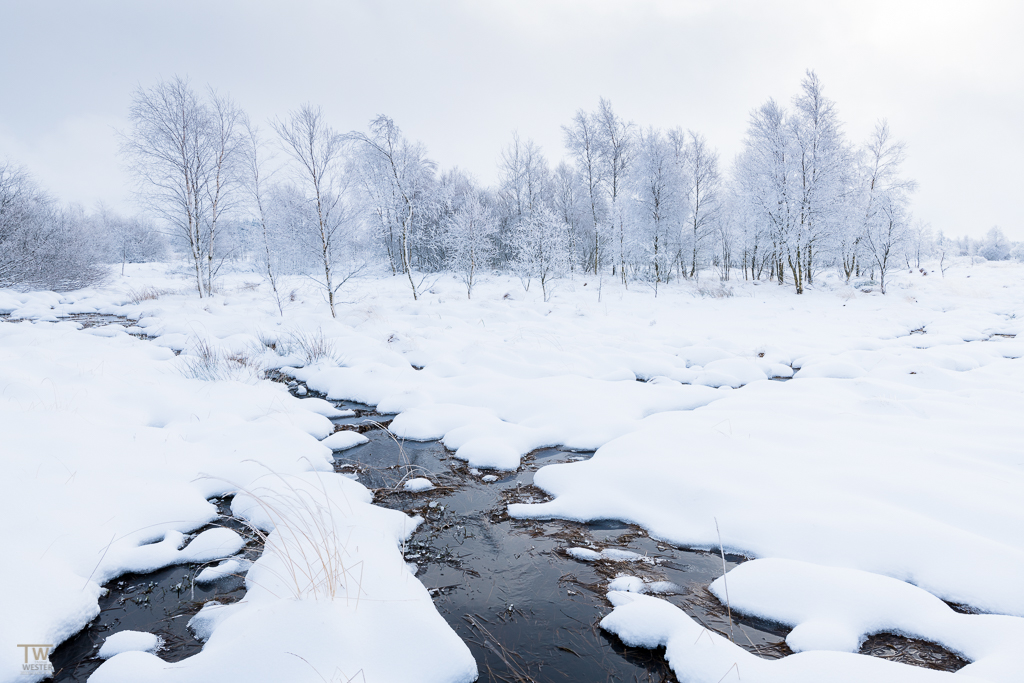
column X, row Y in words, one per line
column 644, row 204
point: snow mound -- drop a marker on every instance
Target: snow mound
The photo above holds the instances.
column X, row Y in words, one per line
column 232, row 567
column 611, row 554
column 343, row 440
column 129, row 641
column 636, row 584
column 833, row 608
column 418, row 484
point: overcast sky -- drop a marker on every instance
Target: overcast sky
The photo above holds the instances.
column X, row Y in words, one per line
column 462, row 75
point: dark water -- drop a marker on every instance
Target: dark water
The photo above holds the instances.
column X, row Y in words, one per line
column 161, row 602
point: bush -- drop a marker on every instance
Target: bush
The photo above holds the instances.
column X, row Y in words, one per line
column 43, row 246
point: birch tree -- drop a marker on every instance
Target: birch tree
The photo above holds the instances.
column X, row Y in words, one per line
column 615, row 138
column 884, row 198
column 317, row 152
column 656, row 187
column 583, row 143
column 404, row 167
column 255, row 183
column 183, row 152
column 703, row 193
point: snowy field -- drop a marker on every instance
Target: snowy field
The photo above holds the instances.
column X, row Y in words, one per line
column 880, row 481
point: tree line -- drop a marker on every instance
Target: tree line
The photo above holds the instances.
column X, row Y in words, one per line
column 642, row 205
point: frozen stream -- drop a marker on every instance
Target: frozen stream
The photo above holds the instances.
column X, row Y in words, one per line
column 528, row 609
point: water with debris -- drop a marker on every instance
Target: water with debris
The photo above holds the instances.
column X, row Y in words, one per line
column 527, row 608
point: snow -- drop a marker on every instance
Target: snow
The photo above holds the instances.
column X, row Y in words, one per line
column 833, row 608
column 610, row 554
column 636, row 584
column 881, row 480
column 343, row 440
column 702, row 656
column 418, row 484
column 129, row 641
column 222, row 570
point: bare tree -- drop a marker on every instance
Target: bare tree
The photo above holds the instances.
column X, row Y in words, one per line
column 704, row 193
column 256, row 178
column 226, row 149
column 318, row 152
column 584, row 146
column 470, row 241
column 406, row 167
column 616, row 144
column 183, row 154
column 885, row 196
column 130, row 239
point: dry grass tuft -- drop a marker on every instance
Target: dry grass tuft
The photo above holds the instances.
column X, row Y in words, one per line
column 147, row 293
column 207, row 363
column 312, row 347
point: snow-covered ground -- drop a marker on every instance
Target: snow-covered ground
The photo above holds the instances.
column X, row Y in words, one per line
column 882, row 479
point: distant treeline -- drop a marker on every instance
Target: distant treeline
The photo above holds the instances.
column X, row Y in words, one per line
column 638, row 204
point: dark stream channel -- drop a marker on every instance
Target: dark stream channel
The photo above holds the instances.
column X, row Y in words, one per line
column 528, row 610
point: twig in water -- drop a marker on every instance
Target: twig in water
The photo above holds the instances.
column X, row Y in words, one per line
column 725, row 582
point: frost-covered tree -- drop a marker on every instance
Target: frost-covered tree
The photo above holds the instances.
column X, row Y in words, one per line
column 584, row 144
column 540, row 250
column 824, row 166
column 43, row 245
column 704, row 190
column 317, row 154
column 884, row 198
column 569, row 203
column 657, row 188
column 615, row 143
column 132, row 239
column 183, row 151
column 995, row 246
column 470, row 237
column 524, row 189
column 766, row 178
column 394, row 173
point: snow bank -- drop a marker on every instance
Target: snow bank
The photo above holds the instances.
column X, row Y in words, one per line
column 832, row 608
column 702, row 656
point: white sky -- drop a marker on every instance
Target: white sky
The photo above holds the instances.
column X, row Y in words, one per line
column 461, row 75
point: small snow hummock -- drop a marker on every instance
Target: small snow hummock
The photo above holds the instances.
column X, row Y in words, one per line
column 418, row 484
column 635, row 584
column 226, row 568
column 129, row 641
column 489, row 478
column 612, row 554
column 343, row 440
